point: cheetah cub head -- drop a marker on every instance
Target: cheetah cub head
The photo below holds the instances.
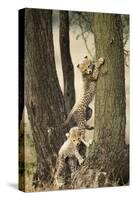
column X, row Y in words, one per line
column 74, row 136
column 86, row 66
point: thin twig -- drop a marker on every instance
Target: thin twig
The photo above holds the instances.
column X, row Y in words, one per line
column 84, row 39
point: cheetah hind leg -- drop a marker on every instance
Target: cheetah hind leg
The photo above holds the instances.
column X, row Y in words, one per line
column 87, row 126
column 73, row 165
column 59, row 175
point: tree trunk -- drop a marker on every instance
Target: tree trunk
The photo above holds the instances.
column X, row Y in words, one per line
column 43, row 96
column 110, row 107
column 109, row 153
column 110, row 103
column 67, row 66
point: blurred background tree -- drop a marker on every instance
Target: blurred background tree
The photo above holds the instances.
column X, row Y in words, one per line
column 67, row 66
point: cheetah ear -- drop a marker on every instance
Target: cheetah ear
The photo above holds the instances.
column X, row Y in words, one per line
column 78, row 66
column 86, row 57
column 67, row 135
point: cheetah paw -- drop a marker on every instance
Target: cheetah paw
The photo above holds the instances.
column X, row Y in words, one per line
column 101, row 61
column 59, row 182
column 81, row 161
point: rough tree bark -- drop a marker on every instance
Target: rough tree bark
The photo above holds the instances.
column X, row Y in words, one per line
column 110, row 94
column 110, row 103
column 67, row 66
column 109, row 153
column 43, row 96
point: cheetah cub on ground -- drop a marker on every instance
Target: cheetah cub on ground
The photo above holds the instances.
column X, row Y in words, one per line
column 69, row 150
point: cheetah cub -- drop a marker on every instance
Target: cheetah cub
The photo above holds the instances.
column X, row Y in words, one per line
column 69, row 150
column 90, row 73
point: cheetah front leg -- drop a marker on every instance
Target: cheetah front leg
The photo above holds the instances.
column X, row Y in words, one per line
column 78, row 156
column 97, row 68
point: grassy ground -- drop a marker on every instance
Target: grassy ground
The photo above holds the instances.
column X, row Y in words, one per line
column 27, row 156
column 30, row 161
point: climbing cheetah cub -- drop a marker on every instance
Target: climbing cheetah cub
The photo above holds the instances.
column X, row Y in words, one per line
column 69, row 150
column 90, row 73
